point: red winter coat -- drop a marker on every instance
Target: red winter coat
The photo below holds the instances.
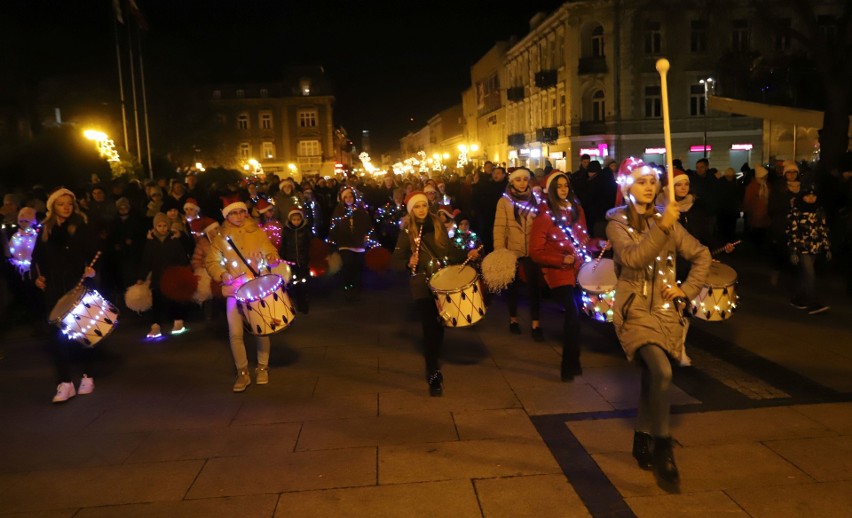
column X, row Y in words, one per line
column 549, row 246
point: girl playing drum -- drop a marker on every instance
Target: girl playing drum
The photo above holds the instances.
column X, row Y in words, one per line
column 422, row 248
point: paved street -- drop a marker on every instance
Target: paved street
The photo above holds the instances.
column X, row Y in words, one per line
column 346, row 427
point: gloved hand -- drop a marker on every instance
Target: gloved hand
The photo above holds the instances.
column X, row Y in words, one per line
column 794, row 259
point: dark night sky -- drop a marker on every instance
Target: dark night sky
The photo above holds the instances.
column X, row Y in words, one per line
column 386, row 64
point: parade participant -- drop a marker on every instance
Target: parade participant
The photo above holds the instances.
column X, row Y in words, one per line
column 558, row 243
column 295, row 247
column 63, row 251
column 808, row 242
column 512, row 225
column 422, row 249
column 286, row 198
column 647, row 314
column 350, row 229
column 163, row 249
column 191, row 210
column 263, row 211
column 227, row 268
column 431, row 192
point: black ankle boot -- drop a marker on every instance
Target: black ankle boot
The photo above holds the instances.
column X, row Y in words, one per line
column 436, row 383
column 568, row 371
column 642, row 450
column 665, row 468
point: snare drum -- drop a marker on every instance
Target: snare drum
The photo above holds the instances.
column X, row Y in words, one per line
column 264, row 305
column 598, row 289
column 718, row 298
column 84, row 315
column 458, row 295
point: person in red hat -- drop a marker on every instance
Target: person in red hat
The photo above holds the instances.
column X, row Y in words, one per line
column 422, row 248
column 263, row 211
column 649, row 304
column 350, row 231
column 191, row 210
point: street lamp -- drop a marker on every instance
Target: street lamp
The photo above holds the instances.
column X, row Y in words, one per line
column 707, row 81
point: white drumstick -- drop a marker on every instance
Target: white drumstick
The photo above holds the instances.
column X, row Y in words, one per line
column 663, row 69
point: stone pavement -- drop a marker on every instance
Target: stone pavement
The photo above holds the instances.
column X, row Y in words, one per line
column 346, row 427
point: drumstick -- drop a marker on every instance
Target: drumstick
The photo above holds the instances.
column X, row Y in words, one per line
column 662, row 69
column 722, row 248
column 468, row 259
column 417, row 248
column 91, row 265
column 240, row 255
column 600, row 256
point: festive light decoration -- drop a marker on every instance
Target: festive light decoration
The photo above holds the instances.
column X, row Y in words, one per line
column 273, row 232
column 21, row 249
column 105, row 145
column 90, row 320
column 523, row 206
column 561, row 222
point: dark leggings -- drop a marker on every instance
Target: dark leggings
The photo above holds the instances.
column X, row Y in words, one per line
column 654, row 396
column 64, row 352
column 353, row 264
column 532, row 272
column 433, row 333
column 570, row 327
column 165, row 309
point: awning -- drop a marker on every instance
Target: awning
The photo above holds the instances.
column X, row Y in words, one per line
column 796, row 116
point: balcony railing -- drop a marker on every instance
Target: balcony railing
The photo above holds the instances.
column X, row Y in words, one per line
column 517, row 140
column 596, row 65
column 545, row 79
column 515, row 93
column 547, row 135
column 592, row 127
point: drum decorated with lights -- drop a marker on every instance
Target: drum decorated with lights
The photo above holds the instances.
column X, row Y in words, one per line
column 597, row 280
column 718, row 299
column 458, row 295
column 21, row 249
column 265, row 306
column 85, row 316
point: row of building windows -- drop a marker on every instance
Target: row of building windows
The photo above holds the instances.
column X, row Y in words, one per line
column 307, row 119
column 305, row 148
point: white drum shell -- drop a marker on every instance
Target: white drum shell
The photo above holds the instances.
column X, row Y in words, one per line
column 458, row 295
column 85, row 316
column 598, row 289
column 718, row 299
column 264, row 305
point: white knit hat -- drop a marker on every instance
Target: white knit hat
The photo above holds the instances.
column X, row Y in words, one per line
column 521, row 171
column 55, row 195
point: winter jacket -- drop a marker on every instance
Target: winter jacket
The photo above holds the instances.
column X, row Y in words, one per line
column 431, row 258
column 159, row 255
column 349, row 228
column 549, row 245
column 807, row 232
column 252, row 243
column 756, row 209
column 63, row 258
column 295, row 244
column 510, row 232
column 641, row 315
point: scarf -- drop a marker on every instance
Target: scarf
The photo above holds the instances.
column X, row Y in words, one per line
column 685, row 203
column 523, row 203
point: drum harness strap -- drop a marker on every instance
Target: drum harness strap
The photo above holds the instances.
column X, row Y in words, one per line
column 240, row 255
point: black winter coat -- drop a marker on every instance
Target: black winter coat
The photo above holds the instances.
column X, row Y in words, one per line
column 295, row 243
column 63, row 258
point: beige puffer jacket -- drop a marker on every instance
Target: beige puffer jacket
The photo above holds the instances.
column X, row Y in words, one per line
column 508, row 232
column 252, row 242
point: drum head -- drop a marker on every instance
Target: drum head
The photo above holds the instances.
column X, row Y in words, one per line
column 599, row 279
column 721, row 275
column 258, row 288
column 65, row 304
column 452, row 277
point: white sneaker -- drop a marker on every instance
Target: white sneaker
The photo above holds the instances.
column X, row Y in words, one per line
column 64, row 392
column 154, row 332
column 178, row 327
column 87, row 385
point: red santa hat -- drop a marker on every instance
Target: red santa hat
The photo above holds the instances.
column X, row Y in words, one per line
column 262, row 206
column 679, row 176
column 413, row 197
column 200, row 225
column 631, row 169
column 449, row 211
column 552, row 177
column 231, row 203
column 343, row 192
column 191, row 202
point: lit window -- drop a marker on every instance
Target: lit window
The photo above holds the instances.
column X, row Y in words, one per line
column 245, row 150
column 309, row 148
column 267, row 150
column 266, row 120
column 243, row 121
column 308, row 119
column 305, row 86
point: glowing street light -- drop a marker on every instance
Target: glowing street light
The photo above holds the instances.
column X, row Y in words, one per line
column 105, row 145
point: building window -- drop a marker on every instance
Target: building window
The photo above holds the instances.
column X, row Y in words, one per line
column 305, row 86
column 264, row 92
column 309, row 155
column 698, row 37
column 739, row 35
column 653, row 39
column 241, row 93
column 217, row 94
column 266, row 120
column 827, row 26
column 243, row 121
column 598, row 42
column 696, row 100
column 245, row 150
column 308, row 119
column 267, row 150
column 653, row 102
column 782, row 34
column 598, row 106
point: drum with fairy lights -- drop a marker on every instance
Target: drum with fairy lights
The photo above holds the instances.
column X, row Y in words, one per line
column 264, row 305
column 85, row 316
column 597, row 280
column 458, row 295
column 718, row 299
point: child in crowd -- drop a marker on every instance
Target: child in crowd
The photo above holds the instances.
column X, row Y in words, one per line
column 264, row 214
column 807, row 240
column 295, row 243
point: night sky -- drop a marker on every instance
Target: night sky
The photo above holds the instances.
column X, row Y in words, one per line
column 386, row 65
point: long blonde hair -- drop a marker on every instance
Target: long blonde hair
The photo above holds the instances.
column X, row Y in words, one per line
column 441, row 237
column 50, row 221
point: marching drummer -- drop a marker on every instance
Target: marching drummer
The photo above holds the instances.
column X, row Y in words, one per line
column 62, row 253
column 227, row 267
column 648, row 305
column 422, row 248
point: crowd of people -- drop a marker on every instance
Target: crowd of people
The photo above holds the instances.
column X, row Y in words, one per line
column 549, row 222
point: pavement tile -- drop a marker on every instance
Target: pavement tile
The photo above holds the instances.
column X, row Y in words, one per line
column 228, row 507
column 351, row 382
column 561, row 398
column 824, row 458
column 375, row 431
column 533, row 496
column 55, row 513
column 416, row 399
column 300, row 471
column 274, row 410
column 709, row 504
column 103, row 485
column 825, row 499
column 40, row 451
column 837, row 416
column 621, row 388
column 454, row 498
column 205, row 443
column 753, row 425
column 494, row 424
column 604, row 435
column 194, row 412
column 621, row 470
column 464, row 459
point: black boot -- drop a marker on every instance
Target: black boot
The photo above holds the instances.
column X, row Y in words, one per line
column 436, row 383
column 642, row 450
column 664, row 464
column 569, row 371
